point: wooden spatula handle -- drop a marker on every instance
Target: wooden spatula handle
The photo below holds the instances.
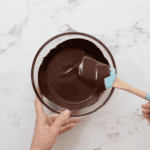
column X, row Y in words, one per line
column 118, row 83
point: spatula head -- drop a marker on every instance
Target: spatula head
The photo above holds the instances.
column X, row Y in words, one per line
column 93, row 70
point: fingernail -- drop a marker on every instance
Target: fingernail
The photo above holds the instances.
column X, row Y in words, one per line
column 66, row 112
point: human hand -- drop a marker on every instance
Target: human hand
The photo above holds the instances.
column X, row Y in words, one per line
column 146, row 111
column 48, row 128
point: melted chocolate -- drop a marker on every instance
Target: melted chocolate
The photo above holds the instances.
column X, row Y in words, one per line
column 71, row 88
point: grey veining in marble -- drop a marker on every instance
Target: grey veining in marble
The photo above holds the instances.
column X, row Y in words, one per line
column 123, row 26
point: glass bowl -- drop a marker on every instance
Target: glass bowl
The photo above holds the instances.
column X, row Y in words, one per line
column 51, row 44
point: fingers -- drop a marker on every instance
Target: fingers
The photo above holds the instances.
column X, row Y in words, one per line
column 52, row 118
column 68, row 121
column 145, row 116
column 72, row 120
column 146, row 111
column 67, row 128
column 38, row 106
column 148, row 119
column 146, row 106
column 61, row 119
column 70, row 124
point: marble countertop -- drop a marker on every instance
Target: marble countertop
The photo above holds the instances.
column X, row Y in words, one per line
column 123, row 26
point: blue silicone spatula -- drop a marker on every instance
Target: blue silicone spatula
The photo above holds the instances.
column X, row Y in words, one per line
column 99, row 73
column 94, row 71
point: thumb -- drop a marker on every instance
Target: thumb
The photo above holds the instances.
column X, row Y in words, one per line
column 60, row 120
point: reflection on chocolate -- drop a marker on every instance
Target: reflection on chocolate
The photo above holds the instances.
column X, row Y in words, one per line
column 70, row 88
column 93, row 70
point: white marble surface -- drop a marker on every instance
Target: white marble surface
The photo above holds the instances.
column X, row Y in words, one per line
column 123, row 26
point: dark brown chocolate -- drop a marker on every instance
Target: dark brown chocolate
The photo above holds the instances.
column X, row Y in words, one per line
column 71, row 88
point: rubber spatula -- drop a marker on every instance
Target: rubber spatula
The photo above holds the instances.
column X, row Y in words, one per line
column 100, row 73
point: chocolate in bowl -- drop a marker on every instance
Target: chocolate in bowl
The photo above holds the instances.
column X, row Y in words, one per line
column 71, row 91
